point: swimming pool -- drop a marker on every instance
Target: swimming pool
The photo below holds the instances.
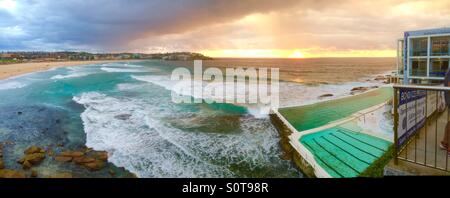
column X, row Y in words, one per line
column 343, row 152
column 315, row 115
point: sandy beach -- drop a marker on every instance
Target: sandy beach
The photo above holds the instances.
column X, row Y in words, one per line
column 10, row 70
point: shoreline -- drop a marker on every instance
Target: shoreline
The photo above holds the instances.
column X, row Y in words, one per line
column 17, row 69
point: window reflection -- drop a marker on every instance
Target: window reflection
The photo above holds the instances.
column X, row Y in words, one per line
column 438, row 67
column 418, row 67
column 440, row 46
column 419, row 46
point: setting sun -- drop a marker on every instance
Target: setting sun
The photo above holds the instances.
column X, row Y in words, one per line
column 297, row 54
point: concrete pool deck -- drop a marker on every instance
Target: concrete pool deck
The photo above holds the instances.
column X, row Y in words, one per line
column 327, row 137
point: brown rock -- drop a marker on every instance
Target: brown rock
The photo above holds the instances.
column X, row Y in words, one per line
column 285, row 156
column 34, row 174
column 50, row 152
column 94, row 166
column 6, row 173
column 34, row 158
column 123, row 116
column 359, row 89
column 111, row 172
column 87, row 150
column 62, row 175
column 2, row 164
column 380, row 78
column 83, row 160
column 34, row 149
column 26, row 165
column 325, row 95
column 102, row 155
column 63, row 159
column 71, row 154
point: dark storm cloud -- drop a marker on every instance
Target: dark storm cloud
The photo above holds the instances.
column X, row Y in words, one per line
column 197, row 25
column 107, row 23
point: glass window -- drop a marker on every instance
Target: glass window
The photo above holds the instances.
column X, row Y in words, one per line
column 438, row 67
column 418, row 67
column 419, row 46
column 440, row 46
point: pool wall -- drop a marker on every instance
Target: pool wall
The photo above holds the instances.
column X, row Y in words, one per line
column 299, row 154
column 285, row 130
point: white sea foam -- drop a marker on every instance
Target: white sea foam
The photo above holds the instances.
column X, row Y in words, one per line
column 111, row 69
column 71, row 75
column 186, row 88
column 294, row 94
column 165, row 82
column 151, row 147
column 131, row 65
column 378, row 122
column 290, row 94
column 121, row 65
column 77, row 68
column 128, row 86
column 11, row 85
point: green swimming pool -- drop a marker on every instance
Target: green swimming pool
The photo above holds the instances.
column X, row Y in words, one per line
column 343, row 152
column 319, row 114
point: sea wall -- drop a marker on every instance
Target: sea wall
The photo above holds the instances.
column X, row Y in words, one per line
column 289, row 153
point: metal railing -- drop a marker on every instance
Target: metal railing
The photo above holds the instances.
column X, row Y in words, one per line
column 420, row 120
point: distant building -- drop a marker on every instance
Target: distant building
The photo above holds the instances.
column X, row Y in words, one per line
column 423, row 56
column 5, row 56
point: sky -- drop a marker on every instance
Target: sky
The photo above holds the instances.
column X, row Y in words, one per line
column 218, row 28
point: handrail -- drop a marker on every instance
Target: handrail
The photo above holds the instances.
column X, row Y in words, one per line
column 411, row 141
column 423, row 87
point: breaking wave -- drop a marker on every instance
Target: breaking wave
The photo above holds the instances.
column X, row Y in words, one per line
column 289, row 93
column 71, row 75
column 121, row 65
column 150, row 147
column 11, row 85
column 110, row 69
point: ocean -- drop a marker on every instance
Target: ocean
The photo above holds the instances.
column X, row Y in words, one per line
column 126, row 109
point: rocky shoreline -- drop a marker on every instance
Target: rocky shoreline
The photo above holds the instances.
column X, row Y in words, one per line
column 385, row 79
column 34, row 156
column 45, row 141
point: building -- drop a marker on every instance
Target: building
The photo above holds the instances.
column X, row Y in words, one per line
column 5, row 56
column 423, row 56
